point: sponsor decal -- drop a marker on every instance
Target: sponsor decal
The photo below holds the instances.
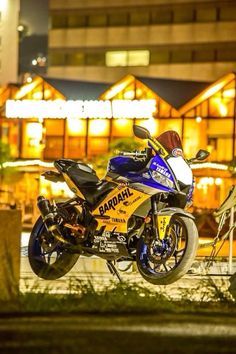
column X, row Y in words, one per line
column 117, row 199
column 162, row 170
column 163, row 221
column 132, row 201
column 117, row 220
column 177, row 152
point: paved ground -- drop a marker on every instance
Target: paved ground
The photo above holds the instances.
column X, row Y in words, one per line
column 118, row 334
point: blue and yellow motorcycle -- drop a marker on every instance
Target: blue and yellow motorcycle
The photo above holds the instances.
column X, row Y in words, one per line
column 136, row 213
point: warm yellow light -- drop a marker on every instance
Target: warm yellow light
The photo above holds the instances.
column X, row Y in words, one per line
column 218, row 181
column 223, row 109
column 122, row 123
column 75, row 126
column 99, row 127
column 129, row 95
column 27, row 88
column 38, row 95
column 198, row 119
column 151, row 125
column 3, row 4
column 34, row 133
column 229, row 93
column 220, row 105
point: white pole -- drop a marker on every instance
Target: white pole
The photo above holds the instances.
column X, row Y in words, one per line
column 231, row 222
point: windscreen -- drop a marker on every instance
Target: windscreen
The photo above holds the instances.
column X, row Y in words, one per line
column 170, row 140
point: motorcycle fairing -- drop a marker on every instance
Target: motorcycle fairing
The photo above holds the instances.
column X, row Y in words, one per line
column 115, row 210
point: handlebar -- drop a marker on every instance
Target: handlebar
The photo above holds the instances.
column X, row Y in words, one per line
column 137, row 154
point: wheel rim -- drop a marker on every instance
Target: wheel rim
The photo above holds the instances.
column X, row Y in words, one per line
column 45, row 248
column 160, row 258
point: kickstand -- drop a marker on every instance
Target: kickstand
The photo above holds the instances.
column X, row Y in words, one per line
column 113, row 270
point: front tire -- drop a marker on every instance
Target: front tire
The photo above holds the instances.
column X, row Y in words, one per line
column 160, row 268
column 47, row 257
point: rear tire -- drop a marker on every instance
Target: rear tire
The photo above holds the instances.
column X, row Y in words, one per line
column 180, row 260
column 48, row 262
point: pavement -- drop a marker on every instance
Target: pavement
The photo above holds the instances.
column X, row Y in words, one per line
column 89, row 334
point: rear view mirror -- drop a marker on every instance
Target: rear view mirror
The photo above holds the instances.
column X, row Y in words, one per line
column 202, row 155
column 141, row 132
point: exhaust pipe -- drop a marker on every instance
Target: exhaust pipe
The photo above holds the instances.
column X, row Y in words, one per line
column 46, row 210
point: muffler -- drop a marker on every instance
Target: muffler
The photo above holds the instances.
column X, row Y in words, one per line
column 48, row 216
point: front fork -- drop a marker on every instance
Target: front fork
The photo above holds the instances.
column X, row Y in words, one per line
column 154, row 217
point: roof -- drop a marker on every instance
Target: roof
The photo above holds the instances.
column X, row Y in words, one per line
column 175, row 92
column 209, row 91
column 78, row 90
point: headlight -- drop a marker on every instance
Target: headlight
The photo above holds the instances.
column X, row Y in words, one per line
column 162, row 179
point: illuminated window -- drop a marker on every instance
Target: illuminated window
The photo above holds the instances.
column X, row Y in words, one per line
column 122, row 127
column 76, row 127
column 128, row 58
column 99, row 127
column 98, row 146
column 76, row 147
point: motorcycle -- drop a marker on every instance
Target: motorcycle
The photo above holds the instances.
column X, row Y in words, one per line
column 135, row 213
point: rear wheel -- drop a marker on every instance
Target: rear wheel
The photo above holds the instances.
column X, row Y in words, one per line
column 47, row 256
column 164, row 261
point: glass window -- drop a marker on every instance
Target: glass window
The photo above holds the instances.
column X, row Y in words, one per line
column 138, row 57
column 122, row 127
column 116, row 58
column 119, row 19
column 97, row 20
column 98, row 146
column 54, row 126
column 161, row 16
column 181, row 56
column 99, row 127
column 139, row 18
column 206, row 14
column 54, row 147
column 128, row 58
column 95, row 59
column 204, row 55
column 76, row 147
column 228, row 13
column 75, row 59
column 226, row 54
column 57, row 59
column 59, row 21
column 76, row 21
column 160, row 56
column 183, row 15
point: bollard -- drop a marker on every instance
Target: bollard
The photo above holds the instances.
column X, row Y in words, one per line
column 10, row 233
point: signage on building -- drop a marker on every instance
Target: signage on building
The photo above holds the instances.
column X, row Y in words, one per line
column 80, row 109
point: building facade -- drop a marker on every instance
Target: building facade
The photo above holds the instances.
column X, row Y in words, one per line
column 178, row 39
column 9, row 16
column 47, row 119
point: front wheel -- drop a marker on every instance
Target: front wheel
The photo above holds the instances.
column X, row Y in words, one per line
column 162, row 262
column 47, row 256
